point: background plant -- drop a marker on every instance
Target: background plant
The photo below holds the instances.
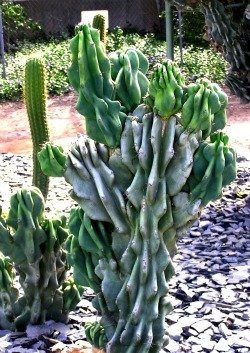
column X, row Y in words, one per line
column 227, row 28
column 198, row 62
column 17, row 25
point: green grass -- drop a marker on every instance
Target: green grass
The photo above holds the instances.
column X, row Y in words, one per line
column 198, row 62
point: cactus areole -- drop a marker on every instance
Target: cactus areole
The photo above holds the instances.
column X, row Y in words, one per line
column 153, row 157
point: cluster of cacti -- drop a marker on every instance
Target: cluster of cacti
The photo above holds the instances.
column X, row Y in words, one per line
column 136, row 199
column 34, row 244
column 228, row 27
column 35, row 101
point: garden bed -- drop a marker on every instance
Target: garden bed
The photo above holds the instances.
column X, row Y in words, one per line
column 210, row 292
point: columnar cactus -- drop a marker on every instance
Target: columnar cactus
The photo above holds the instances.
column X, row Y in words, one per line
column 137, row 199
column 99, row 23
column 35, row 101
column 34, row 245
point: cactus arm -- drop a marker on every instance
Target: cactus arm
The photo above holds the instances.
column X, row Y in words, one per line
column 95, row 87
column 35, row 101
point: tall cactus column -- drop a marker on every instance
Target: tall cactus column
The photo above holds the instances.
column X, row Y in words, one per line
column 35, row 101
column 141, row 178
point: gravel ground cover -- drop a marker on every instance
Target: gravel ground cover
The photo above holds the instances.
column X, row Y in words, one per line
column 210, row 292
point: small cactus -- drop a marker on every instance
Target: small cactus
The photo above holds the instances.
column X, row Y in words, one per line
column 35, row 101
column 34, row 245
column 99, row 23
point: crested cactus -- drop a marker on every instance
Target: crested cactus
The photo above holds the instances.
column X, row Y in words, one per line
column 35, row 101
column 137, row 199
column 34, row 244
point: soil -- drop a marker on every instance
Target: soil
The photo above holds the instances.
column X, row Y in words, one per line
column 65, row 123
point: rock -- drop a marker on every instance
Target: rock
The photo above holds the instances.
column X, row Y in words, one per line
column 194, row 307
column 175, row 331
column 220, row 279
column 208, row 345
column 172, row 347
column 222, row 346
column 224, row 330
column 197, row 348
column 217, row 229
column 228, row 295
column 201, row 326
column 204, row 224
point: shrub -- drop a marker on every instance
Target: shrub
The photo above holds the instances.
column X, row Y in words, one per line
column 198, row 62
column 17, row 25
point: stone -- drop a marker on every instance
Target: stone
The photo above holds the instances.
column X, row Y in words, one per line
column 208, row 345
column 197, row 348
column 172, row 347
column 220, row 279
column 224, row 330
column 175, row 331
column 222, row 346
column 194, row 307
column 201, row 326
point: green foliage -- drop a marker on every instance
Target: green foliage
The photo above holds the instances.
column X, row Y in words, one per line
column 17, row 25
column 56, row 57
column 198, row 62
column 193, row 28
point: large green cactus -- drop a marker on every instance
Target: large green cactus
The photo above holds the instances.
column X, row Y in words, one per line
column 35, row 101
column 136, row 200
column 34, row 245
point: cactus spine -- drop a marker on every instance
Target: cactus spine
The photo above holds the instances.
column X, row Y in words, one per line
column 137, row 199
column 35, row 101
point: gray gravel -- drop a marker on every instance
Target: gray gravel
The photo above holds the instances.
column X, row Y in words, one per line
column 210, row 292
